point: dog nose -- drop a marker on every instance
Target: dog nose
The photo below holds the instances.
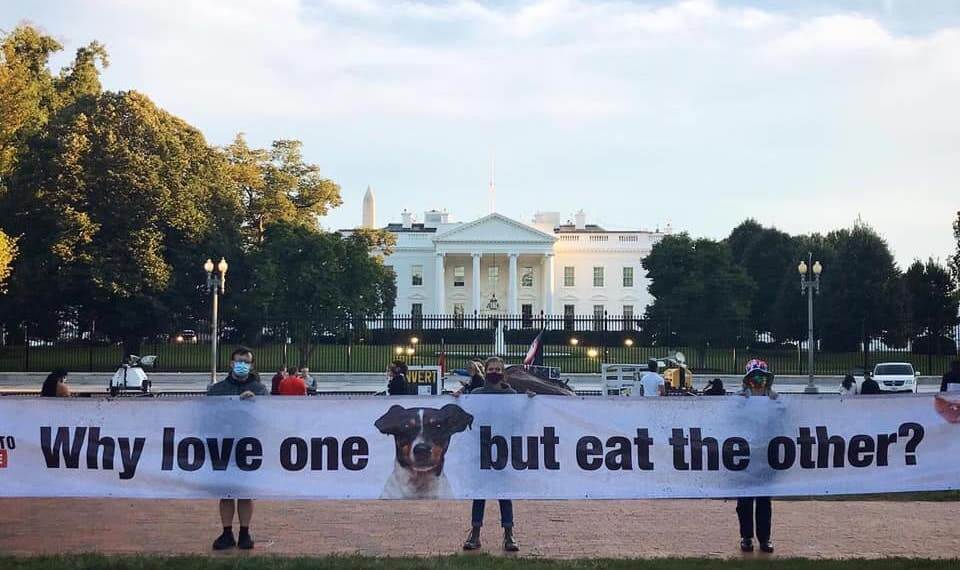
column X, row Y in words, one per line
column 421, row 451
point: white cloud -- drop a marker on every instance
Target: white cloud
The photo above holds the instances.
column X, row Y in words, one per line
column 718, row 103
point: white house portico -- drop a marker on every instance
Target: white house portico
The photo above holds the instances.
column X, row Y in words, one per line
column 497, row 265
column 494, row 248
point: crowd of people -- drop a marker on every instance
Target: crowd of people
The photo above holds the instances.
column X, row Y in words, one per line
column 754, row 514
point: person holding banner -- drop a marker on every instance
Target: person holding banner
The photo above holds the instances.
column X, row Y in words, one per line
column 493, row 383
column 951, row 380
column 756, row 382
column 241, row 381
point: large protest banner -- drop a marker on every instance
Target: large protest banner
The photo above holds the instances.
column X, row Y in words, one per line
column 477, row 447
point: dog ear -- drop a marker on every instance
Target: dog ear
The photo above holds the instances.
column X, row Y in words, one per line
column 459, row 418
column 389, row 422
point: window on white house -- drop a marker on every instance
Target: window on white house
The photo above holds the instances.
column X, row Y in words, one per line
column 493, row 273
column 598, row 276
column 569, row 276
column 598, row 318
column 459, row 276
column 416, row 276
column 628, row 277
column 526, row 277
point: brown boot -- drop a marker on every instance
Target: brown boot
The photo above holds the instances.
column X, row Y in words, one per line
column 473, row 539
column 509, row 543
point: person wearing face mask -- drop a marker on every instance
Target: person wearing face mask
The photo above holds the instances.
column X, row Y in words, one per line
column 241, row 381
column 493, row 383
column 756, row 382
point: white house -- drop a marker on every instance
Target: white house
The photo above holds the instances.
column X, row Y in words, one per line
column 498, row 265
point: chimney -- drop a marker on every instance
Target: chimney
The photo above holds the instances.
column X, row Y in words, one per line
column 581, row 220
column 407, row 219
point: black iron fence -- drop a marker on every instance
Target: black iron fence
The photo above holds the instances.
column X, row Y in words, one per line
column 574, row 343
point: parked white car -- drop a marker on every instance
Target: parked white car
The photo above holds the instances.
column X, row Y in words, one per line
column 895, row 376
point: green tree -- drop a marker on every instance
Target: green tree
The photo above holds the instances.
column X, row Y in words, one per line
column 699, row 292
column 26, row 88
column 863, row 295
column 788, row 314
column 113, row 201
column 8, row 251
column 276, row 185
column 767, row 255
column 29, row 93
column 318, row 283
column 932, row 304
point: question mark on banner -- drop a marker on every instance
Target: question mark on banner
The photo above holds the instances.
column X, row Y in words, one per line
column 917, row 436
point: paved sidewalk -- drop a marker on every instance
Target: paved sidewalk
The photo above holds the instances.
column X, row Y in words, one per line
column 557, row 529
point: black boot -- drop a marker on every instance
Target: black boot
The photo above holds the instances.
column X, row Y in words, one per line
column 766, row 546
column 509, row 543
column 225, row 540
column 244, row 540
column 473, row 539
column 746, row 545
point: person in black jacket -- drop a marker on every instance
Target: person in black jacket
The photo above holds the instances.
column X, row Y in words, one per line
column 869, row 385
column 398, row 385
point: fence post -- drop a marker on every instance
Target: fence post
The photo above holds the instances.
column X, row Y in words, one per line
column 349, row 344
column 26, row 347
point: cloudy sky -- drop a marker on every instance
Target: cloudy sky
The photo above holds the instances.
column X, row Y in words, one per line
column 804, row 115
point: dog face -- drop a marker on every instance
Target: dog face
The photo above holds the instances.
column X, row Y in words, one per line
column 422, row 435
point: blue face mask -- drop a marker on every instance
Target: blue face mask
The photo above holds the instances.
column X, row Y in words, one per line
column 241, row 368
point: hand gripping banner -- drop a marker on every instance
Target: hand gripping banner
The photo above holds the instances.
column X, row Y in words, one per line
column 480, row 446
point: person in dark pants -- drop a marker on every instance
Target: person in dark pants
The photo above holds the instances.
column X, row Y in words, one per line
column 244, row 382
column 398, row 385
column 951, row 377
column 493, row 384
column 756, row 382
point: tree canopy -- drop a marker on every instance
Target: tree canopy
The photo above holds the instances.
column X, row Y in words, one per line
column 698, row 291
column 115, row 203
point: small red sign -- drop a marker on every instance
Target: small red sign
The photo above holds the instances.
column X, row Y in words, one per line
column 3, row 458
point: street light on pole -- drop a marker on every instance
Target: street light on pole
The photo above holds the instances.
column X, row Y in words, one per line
column 810, row 284
column 216, row 284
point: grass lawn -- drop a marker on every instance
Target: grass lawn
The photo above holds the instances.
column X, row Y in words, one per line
column 374, row 358
column 91, row 562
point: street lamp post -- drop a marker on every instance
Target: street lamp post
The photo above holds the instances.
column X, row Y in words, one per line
column 810, row 284
column 216, row 283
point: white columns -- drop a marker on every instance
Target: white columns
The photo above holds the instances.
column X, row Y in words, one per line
column 512, row 286
column 475, row 283
column 441, row 287
column 548, row 284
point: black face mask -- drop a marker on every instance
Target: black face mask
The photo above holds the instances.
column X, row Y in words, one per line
column 494, row 377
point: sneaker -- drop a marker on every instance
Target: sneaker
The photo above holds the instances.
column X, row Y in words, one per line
column 224, row 541
column 245, row 541
column 746, row 545
column 766, row 546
